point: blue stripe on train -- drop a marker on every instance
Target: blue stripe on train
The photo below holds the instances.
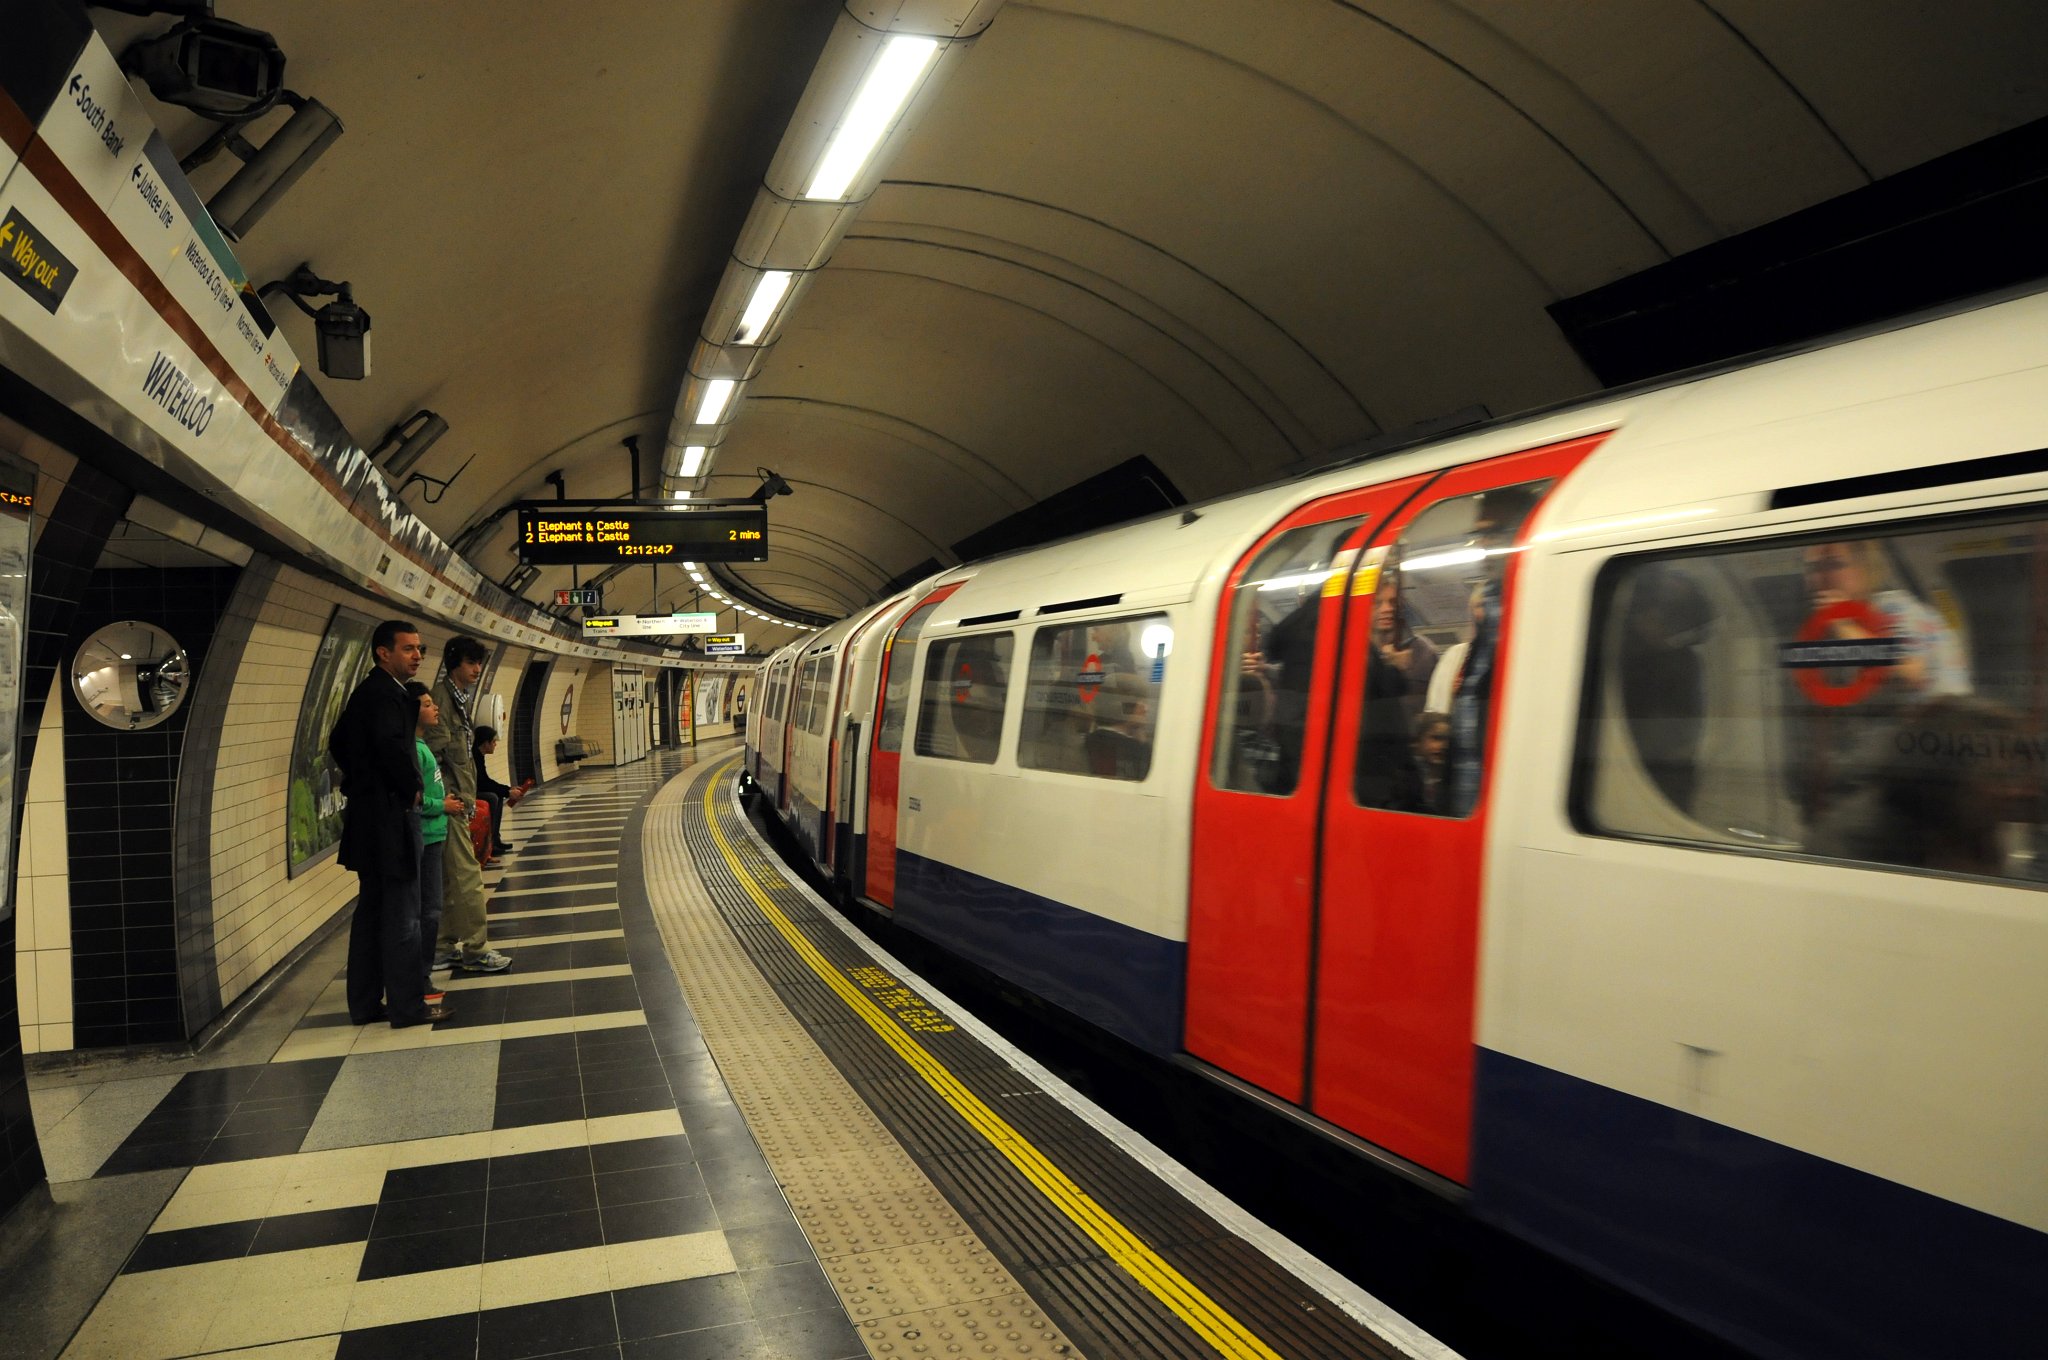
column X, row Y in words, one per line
column 1122, row 979
column 1786, row 1253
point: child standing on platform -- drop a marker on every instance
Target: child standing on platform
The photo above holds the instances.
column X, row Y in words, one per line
column 435, row 805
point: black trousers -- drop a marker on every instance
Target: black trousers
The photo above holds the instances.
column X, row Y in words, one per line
column 496, row 802
column 384, row 941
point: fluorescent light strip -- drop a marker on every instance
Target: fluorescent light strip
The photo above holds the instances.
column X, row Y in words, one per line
column 768, row 294
column 693, row 460
column 882, row 95
column 717, row 396
column 682, row 495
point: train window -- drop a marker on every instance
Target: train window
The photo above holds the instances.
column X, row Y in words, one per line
column 1438, row 598
column 896, row 691
column 966, row 682
column 1273, row 621
column 1090, row 697
column 1875, row 699
column 806, row 693
column 820, row 716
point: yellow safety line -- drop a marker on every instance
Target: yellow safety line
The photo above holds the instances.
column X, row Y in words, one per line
column 1209, row 1320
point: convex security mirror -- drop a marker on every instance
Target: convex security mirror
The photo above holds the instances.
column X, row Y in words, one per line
column 130, row 675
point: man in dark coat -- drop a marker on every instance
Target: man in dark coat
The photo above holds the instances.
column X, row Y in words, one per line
column 373, row 744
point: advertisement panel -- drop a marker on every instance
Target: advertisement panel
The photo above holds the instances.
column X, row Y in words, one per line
column 313, row 797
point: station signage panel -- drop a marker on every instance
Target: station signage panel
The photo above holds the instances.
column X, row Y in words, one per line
column 606, row 533
column 647, row 625
column 725, row 644
column 589, row 597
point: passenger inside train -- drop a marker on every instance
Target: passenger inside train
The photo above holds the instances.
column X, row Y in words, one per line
column 1876, row 700
column 1451, row 567
column 1275, row 619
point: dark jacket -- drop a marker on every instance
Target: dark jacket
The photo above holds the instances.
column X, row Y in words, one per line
column 373, row 746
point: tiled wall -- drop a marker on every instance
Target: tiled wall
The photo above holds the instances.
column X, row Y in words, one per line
column 524, row 755
column 593, row 720
column 42, row 894
column 119, row 794
column 77, row 507
column 561, row 676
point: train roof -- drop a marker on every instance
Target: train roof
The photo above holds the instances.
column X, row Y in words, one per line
column 1713, row 443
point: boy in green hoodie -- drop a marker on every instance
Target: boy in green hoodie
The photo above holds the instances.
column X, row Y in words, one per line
column 435, row 805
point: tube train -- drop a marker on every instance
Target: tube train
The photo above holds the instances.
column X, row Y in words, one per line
column 1628, row 818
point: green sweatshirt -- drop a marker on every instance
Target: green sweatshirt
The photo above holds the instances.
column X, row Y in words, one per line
column 433, row 797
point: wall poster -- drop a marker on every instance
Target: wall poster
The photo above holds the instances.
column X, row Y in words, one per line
column 313, row 825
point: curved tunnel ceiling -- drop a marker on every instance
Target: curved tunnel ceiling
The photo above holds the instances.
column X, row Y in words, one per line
column 1229, row 239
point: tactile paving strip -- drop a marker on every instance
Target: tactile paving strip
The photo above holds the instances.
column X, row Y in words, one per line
column 912, row 1276
column 1120, row 1261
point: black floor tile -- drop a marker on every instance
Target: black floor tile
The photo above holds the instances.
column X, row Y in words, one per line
column 514, row 1115
column 318, row 1228
column 190, row 1246
column 821, row 1335
column 536, row 1198
column 739, row 1341
column 610, row 1045
column 556, row 1084
column 799, row 1287
column 642, row 1219
column 669, row 1150
column 431, row 1214
column 546, row 1328
column 540, row 1050
column 441, row 1178
column 521, row 1168
column 535, row 1003
column 768, row 1244
column 180, row 1126
column 251, row 1118
column 718, row 1134
column 649, row 1182
column 681, row 1306
column 599, row 1104
column 443, row 1338
column 538, row 1236
column 309, row 1076
column 633, row 1069
column 416, row 1252
column 276, row 1143
column 151, row 1157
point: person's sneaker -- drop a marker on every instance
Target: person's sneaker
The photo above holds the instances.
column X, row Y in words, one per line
column 432, row 997
column 445, row 958
column 489, row 961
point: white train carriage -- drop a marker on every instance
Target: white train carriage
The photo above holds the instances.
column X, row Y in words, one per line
column 1630, row 818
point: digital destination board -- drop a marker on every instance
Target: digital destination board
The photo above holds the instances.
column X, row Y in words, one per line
column 571, row 533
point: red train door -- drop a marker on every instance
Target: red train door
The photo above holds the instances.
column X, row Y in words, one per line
column 885, row 748
column 841, row 693
column 1251, row 894
column 1404, row 825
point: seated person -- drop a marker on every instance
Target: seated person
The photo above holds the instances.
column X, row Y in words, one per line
column 1958, row 769
column 1120, row 747
column 489, row 791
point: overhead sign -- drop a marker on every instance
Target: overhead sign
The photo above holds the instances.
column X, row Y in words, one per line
column 647, row 625
column 725, row 644
column 589, row 597
column 602, row 533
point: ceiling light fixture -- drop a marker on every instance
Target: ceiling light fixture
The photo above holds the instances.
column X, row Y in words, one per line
column 769, row 291
column 693, row 460
column 717, row 396
column 682, row 495
column 881, row 98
